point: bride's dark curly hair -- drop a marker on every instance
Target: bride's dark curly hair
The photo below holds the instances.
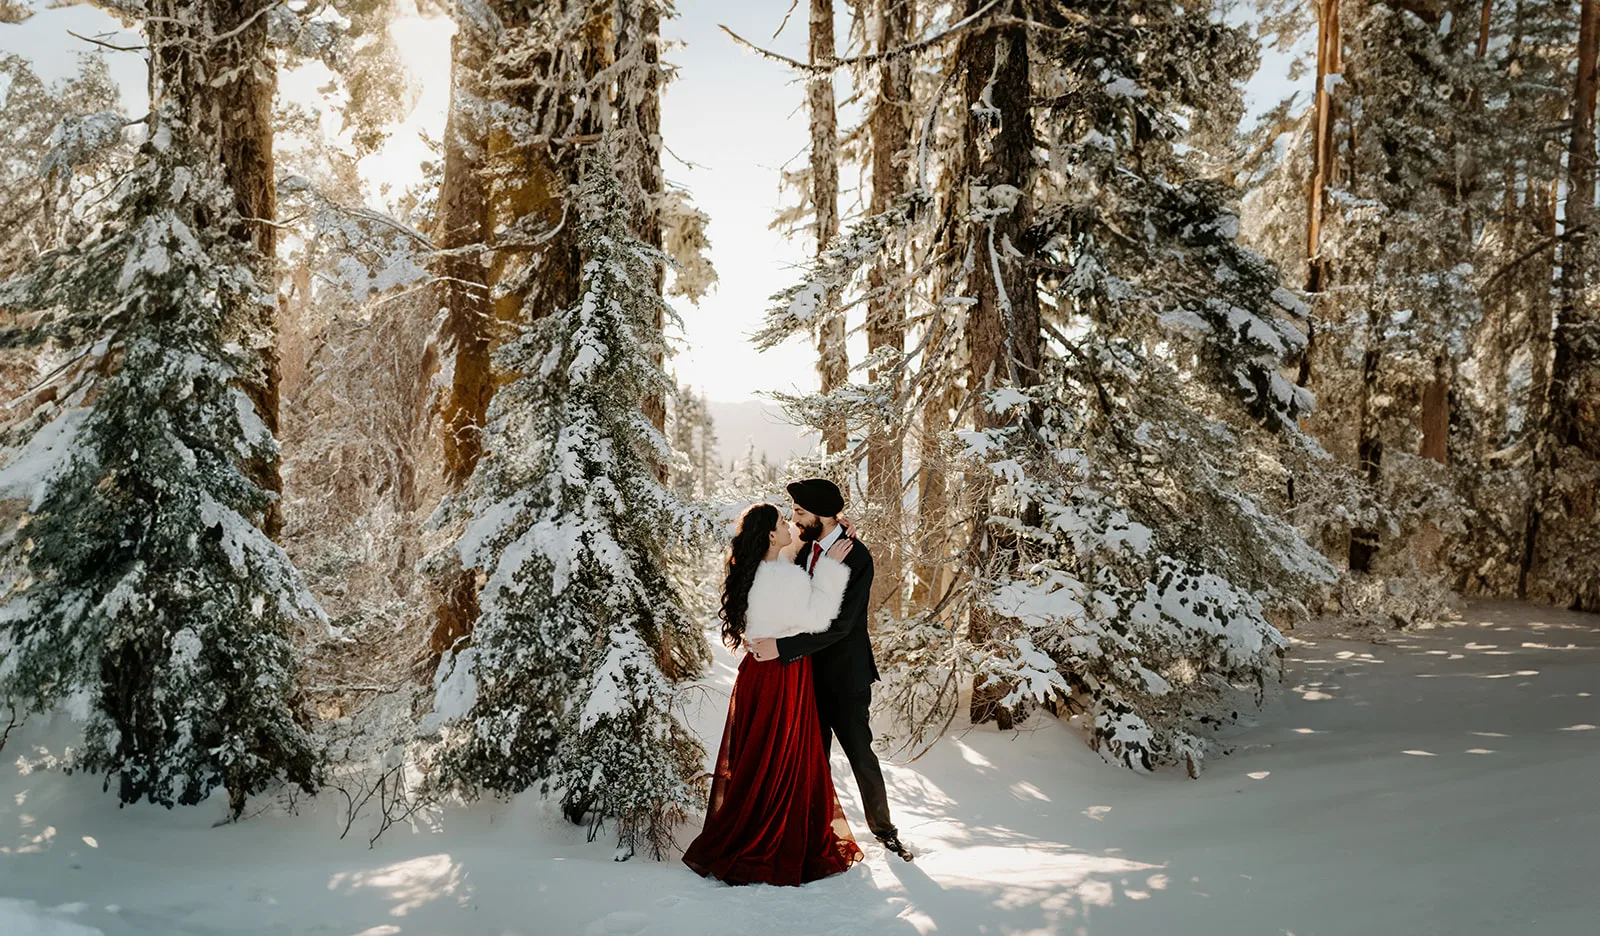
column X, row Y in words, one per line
column 750, row 545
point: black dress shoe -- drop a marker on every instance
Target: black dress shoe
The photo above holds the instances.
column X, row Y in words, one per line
column 893, row 844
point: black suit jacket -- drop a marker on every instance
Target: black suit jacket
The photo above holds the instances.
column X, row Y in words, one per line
column 841, row 656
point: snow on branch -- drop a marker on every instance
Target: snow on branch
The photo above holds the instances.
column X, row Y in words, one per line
column 796, row 310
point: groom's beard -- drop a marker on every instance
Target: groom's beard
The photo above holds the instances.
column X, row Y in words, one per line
column 812, row 533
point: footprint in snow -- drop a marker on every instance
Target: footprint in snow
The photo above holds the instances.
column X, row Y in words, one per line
column 620, row 923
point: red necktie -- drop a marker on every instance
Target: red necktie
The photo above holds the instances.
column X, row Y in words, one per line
column 816, row 550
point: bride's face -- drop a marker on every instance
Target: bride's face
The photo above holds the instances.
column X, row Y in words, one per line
column 781, row 535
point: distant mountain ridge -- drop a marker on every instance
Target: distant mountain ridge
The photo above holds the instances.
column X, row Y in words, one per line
column 738, row 423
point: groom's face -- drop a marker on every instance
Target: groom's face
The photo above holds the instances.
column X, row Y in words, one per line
column 809, row 523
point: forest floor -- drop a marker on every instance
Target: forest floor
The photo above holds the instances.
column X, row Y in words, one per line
column 1442, row 781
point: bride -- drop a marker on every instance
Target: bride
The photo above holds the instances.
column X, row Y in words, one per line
column 773, row 816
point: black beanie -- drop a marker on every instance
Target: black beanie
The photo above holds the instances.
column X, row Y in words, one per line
column 818, row 495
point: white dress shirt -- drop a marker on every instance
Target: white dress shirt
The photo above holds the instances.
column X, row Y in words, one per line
column 826, row 543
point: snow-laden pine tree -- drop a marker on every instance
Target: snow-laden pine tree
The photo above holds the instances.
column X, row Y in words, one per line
column 1139, row 477
column 1110, row 363
column 562, row 684
column 528, row 82
column 697, row 473
column 70, row 133
column 1436, row 252
column 751, row 476
column 141, row 591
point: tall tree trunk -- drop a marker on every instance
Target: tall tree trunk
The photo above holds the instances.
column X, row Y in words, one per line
column 211, row 71
column 833, row 362
column 708, row 443
column 1562, row 551
column 1369, row 443
column 462, row 290
column 638, row 31
column 462, row 293
column 1543, row 206
column 507, row 192
column 1429, row 551
column 1330, row 60
column 886, row 310
column 1576, row 414
column 1003, row 335
column 1003, row 331
column 934, row 525
column 209, row 58
column 1436, row 413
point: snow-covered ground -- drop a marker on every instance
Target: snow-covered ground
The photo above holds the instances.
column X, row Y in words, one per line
column 1442, row 783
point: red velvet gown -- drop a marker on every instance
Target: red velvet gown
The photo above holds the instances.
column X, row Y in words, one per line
column 773, row 817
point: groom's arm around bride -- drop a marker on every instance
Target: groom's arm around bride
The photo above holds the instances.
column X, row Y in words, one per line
column 851, row 623
column 842, row 665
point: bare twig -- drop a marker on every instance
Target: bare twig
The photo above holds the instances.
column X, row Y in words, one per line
column 834, row 63
column 98, row 42
column 687, row 163
column 1530, row 253
column 11, row 723
column 949, row 681
column 397, row 802
column 247, row 23
column 786, row 16
column 354, row 688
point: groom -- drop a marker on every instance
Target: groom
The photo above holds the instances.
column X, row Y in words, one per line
column 842, row 668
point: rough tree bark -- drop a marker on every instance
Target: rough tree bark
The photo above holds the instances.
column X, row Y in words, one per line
column 1003, row 331
column 886, row 310
column 462, row 292
column 1573, row 386
column 933, row 573
column 640, row 121
column 1560, row 562
column 833, row 363
column 638, row 115
column 210, row 59
column 1330, row 60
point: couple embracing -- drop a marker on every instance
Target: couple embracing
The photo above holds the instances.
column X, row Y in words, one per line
column 796, row 598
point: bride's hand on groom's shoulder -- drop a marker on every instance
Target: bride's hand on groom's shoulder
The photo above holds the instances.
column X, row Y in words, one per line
column 849, row 526
column 840, row 549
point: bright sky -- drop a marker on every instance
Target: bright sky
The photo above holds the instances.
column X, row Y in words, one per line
column 741, row 118
column 730, row 119
column 733, row 115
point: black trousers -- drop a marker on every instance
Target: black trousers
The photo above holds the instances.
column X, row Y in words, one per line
column 846, row 715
